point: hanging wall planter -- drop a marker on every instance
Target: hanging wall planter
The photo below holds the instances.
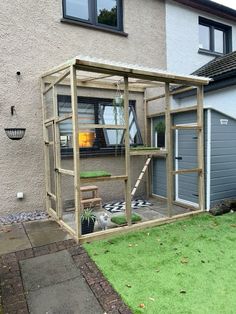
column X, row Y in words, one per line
column 160, row 133
column 15, row 134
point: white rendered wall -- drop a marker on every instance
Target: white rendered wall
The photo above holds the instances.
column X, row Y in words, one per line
column 222, row 100
column 182, row 37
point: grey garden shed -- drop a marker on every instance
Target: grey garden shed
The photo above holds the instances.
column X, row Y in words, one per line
column 219, row 139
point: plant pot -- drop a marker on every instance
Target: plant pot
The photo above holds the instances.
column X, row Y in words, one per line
column 87, row 226
column 161, row 139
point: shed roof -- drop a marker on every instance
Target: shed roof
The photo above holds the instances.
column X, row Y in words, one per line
column 224, row 65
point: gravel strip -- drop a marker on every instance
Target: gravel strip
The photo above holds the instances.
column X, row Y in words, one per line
column 22, row 217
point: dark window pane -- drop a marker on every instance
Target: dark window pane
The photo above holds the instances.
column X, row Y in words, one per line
column 107, row 12
column 77, row 8
column 219, row 41
column 204, row 37
column 115, row 116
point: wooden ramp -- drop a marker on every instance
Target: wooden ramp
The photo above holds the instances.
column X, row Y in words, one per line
column 141, row 176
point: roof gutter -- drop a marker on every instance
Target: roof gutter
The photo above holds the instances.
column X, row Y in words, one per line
column 211, row 7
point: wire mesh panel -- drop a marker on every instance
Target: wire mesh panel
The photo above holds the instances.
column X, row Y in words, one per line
column 52, row 170
column 48, row 104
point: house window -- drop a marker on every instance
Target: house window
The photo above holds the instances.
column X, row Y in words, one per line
column 215, row 38
column 97, row 111
column 101, row 13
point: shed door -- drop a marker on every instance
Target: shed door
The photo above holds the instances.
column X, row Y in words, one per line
column 186, row 185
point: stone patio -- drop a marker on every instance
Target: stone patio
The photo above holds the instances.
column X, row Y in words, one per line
column 57, row 278
column 42, row 270
column 25, row 235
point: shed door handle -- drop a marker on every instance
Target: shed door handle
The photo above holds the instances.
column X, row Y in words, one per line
column 178, row 158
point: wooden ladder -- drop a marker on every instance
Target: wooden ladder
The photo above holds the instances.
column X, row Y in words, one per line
column 140, row 176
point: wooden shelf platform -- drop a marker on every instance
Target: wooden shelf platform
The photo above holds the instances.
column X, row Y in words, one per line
column 148, row 152
column 98, row 179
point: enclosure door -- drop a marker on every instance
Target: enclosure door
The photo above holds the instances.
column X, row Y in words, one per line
column 186, row 185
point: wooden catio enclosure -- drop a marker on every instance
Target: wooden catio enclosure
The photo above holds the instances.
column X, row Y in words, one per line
column 100, row 75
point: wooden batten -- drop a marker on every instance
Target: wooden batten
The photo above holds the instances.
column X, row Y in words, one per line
column 128, row 210
column 90, row 79
column 182, row 171
column 76, row 151
column 66, row 171
column 63, row 118
column 136, row 227
column 57, row 150
column 101, row 179
column 46, row 152
column 98, row 84
column 102, row 126
column 57, row 81
column 184, row 109
column 169, row 147
column 53, row 196
column 187, row 127
column 200, row 146
column 161, row 76
column 58, row 69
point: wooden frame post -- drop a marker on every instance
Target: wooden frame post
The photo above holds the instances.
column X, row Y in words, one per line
column 169, row 148
column 46, row 152
column 146, row 143
column 128, row 209
column 57, row 155
column 200, row 146
column 76, row 152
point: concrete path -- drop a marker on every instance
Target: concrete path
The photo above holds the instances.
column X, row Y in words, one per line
column 54, row 284
column 25, row 235
column 43, row 271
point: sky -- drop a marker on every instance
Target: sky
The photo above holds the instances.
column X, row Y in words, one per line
column 227, row 3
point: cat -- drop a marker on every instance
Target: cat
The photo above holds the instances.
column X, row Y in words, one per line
column 103, row 220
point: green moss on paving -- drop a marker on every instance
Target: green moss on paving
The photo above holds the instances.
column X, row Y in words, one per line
column 94, row 174
column 187, row 267
column 121, row 219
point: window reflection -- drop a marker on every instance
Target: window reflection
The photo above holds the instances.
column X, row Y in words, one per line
column 78, row 9
column 204, row 37
column 219, row 41
column 107, row 12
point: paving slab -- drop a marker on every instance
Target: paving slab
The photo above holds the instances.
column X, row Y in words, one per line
column 46, row 270
column 48, row 236
column 13, row 238
column 45, row 232
column 147, row 214
column 34, row 226
column 68, row 297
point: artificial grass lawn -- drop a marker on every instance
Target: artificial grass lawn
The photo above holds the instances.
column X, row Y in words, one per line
column 185, row 267
column 121, row 219
column 94, row 174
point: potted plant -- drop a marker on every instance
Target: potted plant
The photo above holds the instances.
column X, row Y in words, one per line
column 160, row 129
column 87, row 221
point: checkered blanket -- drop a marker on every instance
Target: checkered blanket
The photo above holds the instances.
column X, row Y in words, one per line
column 120, row 206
